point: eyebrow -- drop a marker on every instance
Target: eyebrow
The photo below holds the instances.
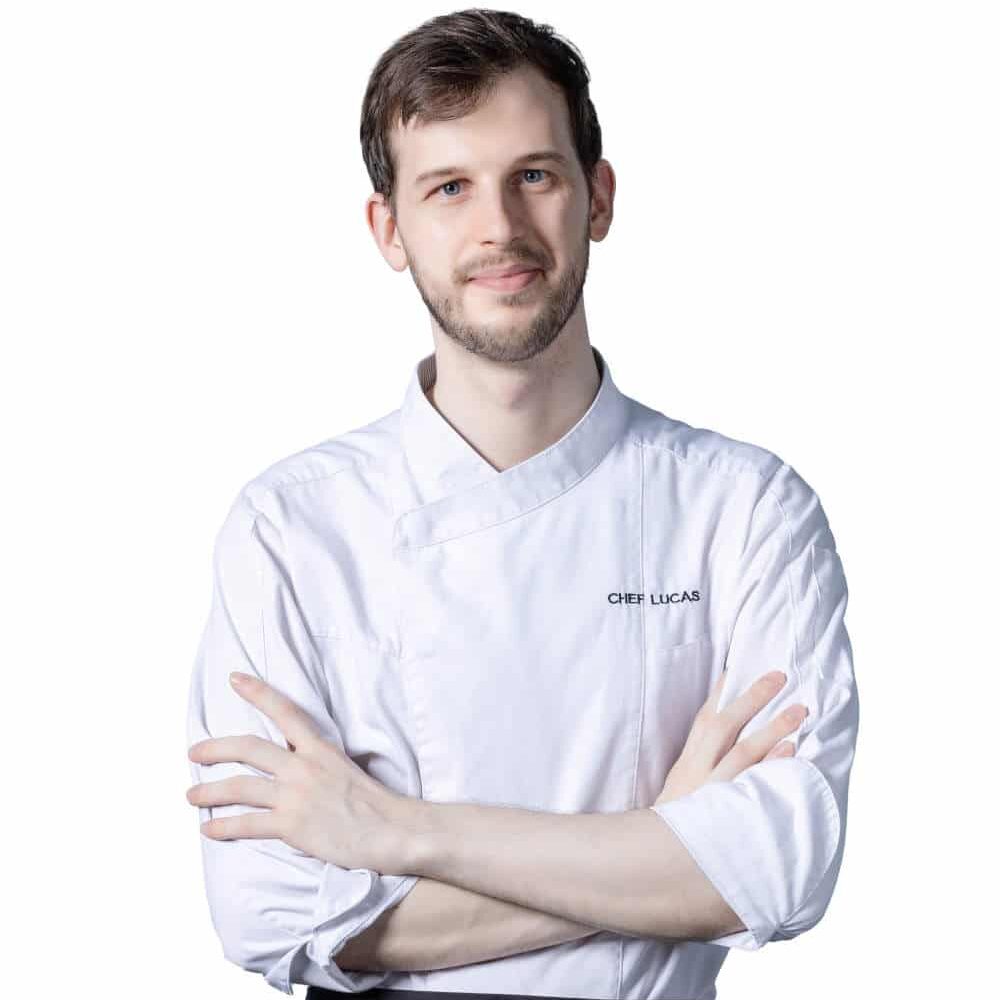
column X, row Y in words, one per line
column 541, row 154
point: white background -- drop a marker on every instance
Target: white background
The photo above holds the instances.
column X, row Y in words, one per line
column 804, row 255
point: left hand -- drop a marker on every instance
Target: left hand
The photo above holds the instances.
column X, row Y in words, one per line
column 320, row 801
column 712, row 752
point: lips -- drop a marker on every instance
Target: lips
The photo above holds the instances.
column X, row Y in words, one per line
column 504, row 272
column 512, row 281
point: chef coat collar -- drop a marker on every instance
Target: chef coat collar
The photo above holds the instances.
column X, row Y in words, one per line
column 460, row 492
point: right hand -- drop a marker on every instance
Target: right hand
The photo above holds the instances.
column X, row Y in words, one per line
column 711, row 752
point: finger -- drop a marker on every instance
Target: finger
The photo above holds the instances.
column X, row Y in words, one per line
column 754, row 748
column 294, row 722
column 718, row 731
column 248, row 749
column 243, row 789
column 258, row 824
column 735, row 716
column 775, row 677
column 712, row 703
column 783, row 749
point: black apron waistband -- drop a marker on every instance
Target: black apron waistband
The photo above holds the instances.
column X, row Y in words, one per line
column 380, row 993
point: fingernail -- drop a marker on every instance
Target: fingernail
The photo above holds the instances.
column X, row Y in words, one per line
column 237, row 678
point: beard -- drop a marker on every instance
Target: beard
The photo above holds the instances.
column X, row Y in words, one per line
column 512, row 340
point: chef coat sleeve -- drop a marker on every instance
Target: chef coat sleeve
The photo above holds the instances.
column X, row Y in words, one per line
column 772, row 839
column 277, row 911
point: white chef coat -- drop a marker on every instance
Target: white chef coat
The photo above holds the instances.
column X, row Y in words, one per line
column 539, row 637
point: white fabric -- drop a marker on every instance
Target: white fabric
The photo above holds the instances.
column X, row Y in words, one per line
column 469, row 635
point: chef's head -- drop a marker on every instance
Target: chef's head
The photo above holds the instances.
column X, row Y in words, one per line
column 484, row 152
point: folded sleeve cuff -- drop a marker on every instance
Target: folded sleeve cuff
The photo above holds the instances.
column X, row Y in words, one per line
column 347, row 903
column 764, row 840
column 715, row 868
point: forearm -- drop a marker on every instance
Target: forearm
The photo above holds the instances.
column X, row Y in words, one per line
column 439, row 926
column 623, row 872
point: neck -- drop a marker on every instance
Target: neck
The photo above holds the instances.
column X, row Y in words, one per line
column 511, row 411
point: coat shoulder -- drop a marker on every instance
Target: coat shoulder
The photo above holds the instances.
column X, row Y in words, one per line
column 703, row 448
column 359, row 453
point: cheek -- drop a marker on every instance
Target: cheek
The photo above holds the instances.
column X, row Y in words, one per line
column 441, row 231
column 436, row 251
column 559, row 228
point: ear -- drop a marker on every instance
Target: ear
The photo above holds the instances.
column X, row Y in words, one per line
column 383, row 227
column 602, row 202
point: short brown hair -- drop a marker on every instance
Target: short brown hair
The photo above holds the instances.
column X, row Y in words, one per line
column 445, row 67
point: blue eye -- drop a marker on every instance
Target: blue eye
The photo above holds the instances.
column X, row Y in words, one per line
column 527, row 170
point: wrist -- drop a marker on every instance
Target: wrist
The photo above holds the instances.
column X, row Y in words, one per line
column 411, row 834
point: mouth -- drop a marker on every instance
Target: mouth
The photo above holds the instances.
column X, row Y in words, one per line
column 509, row 282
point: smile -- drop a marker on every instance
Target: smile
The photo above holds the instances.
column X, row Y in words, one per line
column 511, row 283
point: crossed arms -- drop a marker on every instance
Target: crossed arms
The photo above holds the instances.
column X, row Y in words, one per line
column 493, row 880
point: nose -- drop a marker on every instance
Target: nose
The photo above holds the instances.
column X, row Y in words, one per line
column 499, row 217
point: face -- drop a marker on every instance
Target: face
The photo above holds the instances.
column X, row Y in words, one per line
column 498, row 188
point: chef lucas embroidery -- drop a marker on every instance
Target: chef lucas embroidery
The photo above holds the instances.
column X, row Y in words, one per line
column 677, row 597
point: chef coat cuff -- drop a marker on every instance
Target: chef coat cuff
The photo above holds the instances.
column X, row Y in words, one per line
column 765, row 840
column 347, row 903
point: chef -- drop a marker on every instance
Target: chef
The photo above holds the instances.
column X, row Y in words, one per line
column 540, row 637
column 486, row 634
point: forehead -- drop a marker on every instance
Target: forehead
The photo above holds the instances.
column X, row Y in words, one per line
column 524, row 112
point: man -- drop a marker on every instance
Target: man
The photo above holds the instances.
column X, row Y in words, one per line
column 522, row 654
